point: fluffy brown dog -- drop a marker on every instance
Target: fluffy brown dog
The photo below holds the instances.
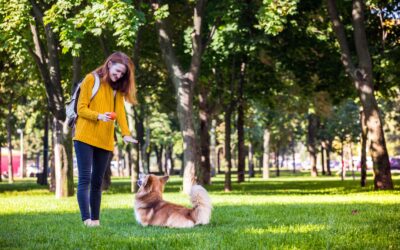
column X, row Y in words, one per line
column 151, row 209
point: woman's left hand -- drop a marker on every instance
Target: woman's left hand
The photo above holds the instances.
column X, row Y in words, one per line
column 128, row 138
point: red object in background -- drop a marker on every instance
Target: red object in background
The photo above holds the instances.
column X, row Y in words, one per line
column 113, row 115
column 4, row 162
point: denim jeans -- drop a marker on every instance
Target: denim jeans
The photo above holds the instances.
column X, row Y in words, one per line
column 92, row 164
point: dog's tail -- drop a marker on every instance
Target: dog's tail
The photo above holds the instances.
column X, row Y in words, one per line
column 201, row 205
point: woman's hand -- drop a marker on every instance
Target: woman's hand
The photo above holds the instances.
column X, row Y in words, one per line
column 128, row 138
column 104, row 117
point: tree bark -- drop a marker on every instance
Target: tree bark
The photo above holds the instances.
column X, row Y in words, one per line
column 363, row 162
column 184, row 83
column 343, row 172
column 159, row 152
column 105, row 185
column 228, row 156
column 363, row 82
column 322, row 159
column 277, row 171
column 251, row 161
column 43, row 180
column 213, row 148
column 63, row 166
column 168, row 160
column 293, row 144
column 266, row 154
column 312, row 150
column 204, row 114
column 240, row 125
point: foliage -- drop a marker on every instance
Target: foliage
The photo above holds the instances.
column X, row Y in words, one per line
column 272, row 15
column 95, row 18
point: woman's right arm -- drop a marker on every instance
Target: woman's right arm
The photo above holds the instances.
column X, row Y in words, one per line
column 84, row 99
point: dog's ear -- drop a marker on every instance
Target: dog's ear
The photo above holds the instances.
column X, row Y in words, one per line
column 164, row 179
column 147, row 183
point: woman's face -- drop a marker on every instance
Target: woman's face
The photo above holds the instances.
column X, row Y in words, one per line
column 116, row 71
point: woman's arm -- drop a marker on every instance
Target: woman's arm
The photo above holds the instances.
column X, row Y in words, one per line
column 84, row 99
column 121, row 115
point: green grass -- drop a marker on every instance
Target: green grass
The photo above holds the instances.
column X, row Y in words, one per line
column 289, row 212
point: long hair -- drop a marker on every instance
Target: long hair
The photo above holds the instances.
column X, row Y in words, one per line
column 126, row 84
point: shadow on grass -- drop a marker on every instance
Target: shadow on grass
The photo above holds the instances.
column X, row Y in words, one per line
column 270, row 187
column 305, row 226
column 257, row 186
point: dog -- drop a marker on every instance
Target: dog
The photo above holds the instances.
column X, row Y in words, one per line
column 151, row 209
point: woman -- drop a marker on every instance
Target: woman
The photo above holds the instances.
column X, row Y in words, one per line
column 94, row 133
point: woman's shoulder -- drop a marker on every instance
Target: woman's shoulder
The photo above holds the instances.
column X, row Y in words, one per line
column 88, row 80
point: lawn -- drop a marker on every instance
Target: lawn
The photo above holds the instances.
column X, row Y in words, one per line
column 289, row 212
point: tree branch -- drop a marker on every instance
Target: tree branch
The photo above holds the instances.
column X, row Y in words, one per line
column 211, row 33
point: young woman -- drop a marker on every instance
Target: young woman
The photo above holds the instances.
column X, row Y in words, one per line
column 94, row 133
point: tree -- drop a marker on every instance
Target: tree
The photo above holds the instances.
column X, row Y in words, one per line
column 184, row 82
column 363, row 82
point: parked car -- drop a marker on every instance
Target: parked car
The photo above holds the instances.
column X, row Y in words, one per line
column 32, row 170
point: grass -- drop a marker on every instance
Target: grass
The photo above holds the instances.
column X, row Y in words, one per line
column 289, row 212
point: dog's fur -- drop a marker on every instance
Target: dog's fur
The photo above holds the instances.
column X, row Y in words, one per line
column 151, row 209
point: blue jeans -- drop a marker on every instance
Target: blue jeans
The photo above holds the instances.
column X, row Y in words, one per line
column 92, row 164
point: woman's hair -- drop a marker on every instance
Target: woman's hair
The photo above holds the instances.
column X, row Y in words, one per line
column 126, row 84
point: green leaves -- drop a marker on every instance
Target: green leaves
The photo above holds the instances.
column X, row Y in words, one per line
column 74, row 22
column 162, row 12
column 272, row 15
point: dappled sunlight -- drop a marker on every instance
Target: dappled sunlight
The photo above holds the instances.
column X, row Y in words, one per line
column 240, row 218
column 286, row 229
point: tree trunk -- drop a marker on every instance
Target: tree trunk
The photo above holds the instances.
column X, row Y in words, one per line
column 251, row 161
column 63, row 166
column 105, row 185
column 144, row 150
column 168, row 160
column 204, row 114
column 135, row 170
column 213, row 148
column 322, row 159
column 43, row 180
column 266, row 154
column 312, row 150
column 364, row 136
column 328, row 156
column 293, row 144
column 9, row 134
column 184, row 83
column 240, row 125
column 343, row 173
column 47, row 62
column 52, row 186
column 351, row 160
column 363, row 82
column 220, row 156
column 159, row 152
column 228, row 158
column 278, row 173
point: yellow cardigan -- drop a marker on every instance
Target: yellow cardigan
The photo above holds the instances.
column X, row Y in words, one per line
column 90, row 130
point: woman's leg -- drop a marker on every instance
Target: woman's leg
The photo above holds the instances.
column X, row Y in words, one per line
column 84, row 157
column 101, row 160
